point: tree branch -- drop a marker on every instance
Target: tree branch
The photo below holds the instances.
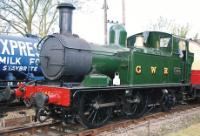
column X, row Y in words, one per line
column 14, row 26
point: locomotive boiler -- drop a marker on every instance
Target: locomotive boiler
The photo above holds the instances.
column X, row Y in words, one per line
column 90, row 83
column 69, row 58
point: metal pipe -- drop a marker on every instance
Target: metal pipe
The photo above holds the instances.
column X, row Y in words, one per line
column 105, row 7
column 123, row 13
column 65, row 18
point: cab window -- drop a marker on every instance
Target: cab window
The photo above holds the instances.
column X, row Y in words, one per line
column 164, row 42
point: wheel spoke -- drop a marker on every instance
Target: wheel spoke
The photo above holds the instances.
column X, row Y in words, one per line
column 101, row 114
column 94, row 117
column 138, row 105
column 168, row 101
column 134, row 108
column 93, row 111
column 97, row 116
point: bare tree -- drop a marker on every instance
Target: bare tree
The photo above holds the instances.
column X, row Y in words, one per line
column 164, row 24
column 19, row 14
column 22, row 14
column 47, row 17
column 86, row 6
column 196, row 36
column 180, row 30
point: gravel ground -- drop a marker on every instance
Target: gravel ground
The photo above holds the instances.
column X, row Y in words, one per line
column 20, row 113
column 193, row 130
column 12, row 115
column 161, row 126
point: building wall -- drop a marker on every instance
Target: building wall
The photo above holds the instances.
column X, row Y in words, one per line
column 194, row 47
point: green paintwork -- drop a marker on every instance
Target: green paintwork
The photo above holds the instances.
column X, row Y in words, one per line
column 146, row 61
column 160, row 50
column 108, row 60
column 153, row 54
column 117, row 35
column 95, row 80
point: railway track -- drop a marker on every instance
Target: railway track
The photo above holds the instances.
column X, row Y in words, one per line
column 13, row 114
column 57, row 128
column 28, row 128
column 12, row 108
column 5, row 107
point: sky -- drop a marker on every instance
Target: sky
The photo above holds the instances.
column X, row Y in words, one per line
column 88, row 23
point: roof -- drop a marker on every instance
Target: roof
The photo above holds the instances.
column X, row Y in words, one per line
column 161, row 32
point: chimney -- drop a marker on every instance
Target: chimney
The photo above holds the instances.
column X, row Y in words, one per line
column 65, row 18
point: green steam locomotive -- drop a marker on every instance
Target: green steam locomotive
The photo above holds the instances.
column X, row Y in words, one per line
column 90, row 83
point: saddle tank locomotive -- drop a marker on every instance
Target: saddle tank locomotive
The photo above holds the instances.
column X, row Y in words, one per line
column 89, row 83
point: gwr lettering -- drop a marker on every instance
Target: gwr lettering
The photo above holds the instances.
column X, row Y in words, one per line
column 153, row 70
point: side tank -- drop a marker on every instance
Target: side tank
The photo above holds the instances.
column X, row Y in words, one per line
column 19, row 58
